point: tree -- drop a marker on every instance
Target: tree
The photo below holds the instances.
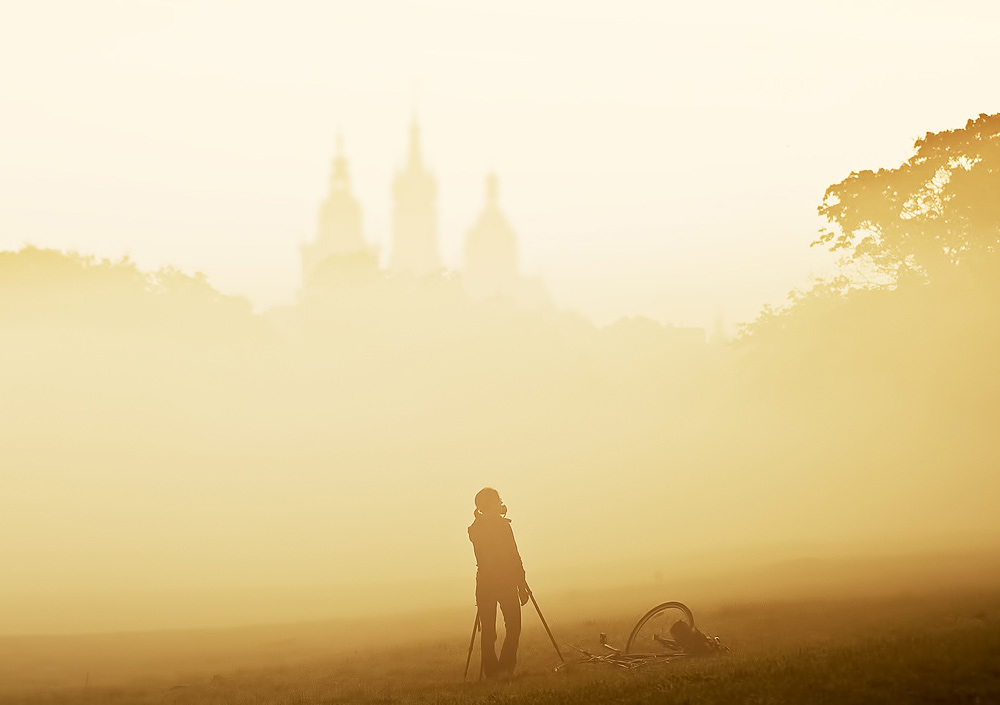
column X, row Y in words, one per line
column 48, row 287
column 939, row 210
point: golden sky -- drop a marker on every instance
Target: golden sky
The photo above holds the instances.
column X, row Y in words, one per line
column 655, row 158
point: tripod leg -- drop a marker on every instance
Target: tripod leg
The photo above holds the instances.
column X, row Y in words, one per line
column 472, row 644
column 481, row 664
column 546, row 625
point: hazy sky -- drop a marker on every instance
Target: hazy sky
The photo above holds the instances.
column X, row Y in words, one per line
column 655, row 158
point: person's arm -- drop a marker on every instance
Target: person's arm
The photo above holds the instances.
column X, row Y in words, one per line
column 516, row 565
column 517, row 568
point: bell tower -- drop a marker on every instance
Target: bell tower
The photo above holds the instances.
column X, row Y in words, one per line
column 414, row 218
column 339, row 223
column 491, row 251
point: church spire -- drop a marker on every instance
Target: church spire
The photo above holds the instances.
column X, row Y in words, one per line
column 492, row 190
column 414, row 237
column 415, row 155
column 338, row 230
column 491, row 251
column 340, row 179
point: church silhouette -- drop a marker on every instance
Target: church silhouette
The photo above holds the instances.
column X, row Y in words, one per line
column 340, row 254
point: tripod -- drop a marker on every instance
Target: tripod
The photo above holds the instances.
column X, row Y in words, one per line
column 477, row 627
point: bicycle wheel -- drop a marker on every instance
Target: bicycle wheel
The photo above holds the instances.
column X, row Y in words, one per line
column 651, row 633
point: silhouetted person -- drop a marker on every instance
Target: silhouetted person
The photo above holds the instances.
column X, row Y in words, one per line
column 499, row 581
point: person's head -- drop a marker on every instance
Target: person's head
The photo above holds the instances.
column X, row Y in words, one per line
column 488, row 503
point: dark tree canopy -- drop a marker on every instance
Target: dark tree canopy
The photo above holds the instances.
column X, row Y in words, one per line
column 931, row 229
column 938, row 210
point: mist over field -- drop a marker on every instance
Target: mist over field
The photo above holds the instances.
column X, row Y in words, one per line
column 163, row 441
column 709, row 295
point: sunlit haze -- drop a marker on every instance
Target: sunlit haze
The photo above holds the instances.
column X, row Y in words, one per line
column 329, row 330
column 661, row 159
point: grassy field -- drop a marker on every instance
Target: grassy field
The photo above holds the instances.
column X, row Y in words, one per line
column 931, row 648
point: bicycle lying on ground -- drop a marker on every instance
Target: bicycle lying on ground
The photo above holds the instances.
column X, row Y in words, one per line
column 666, row 633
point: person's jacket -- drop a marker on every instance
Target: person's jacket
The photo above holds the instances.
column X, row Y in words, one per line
column 497, row 559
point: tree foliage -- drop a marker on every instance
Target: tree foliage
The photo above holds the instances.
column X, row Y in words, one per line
column 931, row 228
column 938, row 210
column 42, row 286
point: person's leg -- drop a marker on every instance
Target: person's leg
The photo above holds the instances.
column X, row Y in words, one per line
column 487, row 605
column 511, row 608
